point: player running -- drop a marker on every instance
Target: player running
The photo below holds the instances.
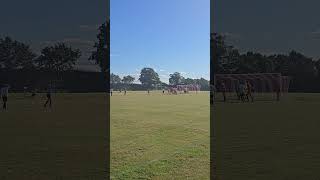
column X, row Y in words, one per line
column 224, row 90
column 249, row 91
column 33, row 93
column 49, row 100
column 25, row 90
column 242, row 89
column 4, row 94
column 237, row 88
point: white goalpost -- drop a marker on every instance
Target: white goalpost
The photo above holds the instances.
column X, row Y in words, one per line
column 184, row 88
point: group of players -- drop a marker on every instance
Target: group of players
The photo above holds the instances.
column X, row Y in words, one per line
column 4, row 92
column 244, row 91
column 125, row 91
column 169, row 90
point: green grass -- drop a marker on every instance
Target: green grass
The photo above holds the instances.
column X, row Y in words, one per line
column 160, row 136
column 66, row 142
column 268, row 140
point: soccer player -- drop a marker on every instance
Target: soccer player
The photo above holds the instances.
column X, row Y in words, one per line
column 242, row 90
column 25, row 90
column 4, row 94
column 224, row 90
column 249, row 91
column 33, row 93
column 278, row 94
column 238, row 90
column 49, row 100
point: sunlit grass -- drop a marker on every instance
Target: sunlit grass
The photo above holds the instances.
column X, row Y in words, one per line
column 160, row 136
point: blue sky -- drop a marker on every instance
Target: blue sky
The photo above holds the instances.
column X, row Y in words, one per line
column 167, row 35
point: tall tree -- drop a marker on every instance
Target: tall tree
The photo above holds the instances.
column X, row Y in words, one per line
column 115, row 79
column 176, row 78
column 189, row 81
column 58, row 58
column 203, row 83
column 128, row 79
column 224, row 58
column 149, row 78
column 15, row 55
column 101, row 54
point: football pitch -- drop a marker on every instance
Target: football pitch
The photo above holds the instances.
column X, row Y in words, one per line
column 160, row 136
column 67, row 142
column 268, row 139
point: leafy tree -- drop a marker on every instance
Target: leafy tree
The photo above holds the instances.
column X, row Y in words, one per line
column 189, row 81
column 149, row 78
column 303, row 71
column 15, row 55
column 224, row 58
column 115, row 79
column 58, row 58
column 128, row 79
column 203, row 83
column 101, row 55
column 176, row 79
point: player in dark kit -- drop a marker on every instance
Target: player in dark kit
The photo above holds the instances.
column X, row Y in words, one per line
column 249, row 91
column 224, row 90
column 33, row 93
column 49, row 100
column 4, row 91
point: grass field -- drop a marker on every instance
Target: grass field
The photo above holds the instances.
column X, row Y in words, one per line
column 160, row 136
column 66, row 142
column 268, row 140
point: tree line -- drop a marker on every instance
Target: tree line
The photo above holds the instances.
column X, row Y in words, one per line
column 303, row 70
column 149, row 79
column 58, row 58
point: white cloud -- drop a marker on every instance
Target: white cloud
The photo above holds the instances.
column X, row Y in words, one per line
column 164, row 75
